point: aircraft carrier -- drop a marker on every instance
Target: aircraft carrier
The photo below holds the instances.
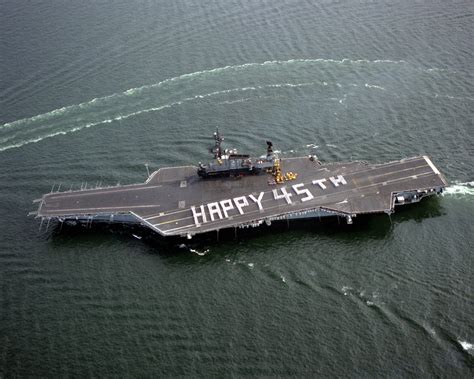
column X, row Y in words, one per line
column 236, row 191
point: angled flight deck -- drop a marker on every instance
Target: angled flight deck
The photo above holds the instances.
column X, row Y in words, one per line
column 177, row 202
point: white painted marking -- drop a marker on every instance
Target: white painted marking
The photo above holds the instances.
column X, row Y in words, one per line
column 241, row 202
column 258, row 200
column 304, row 191
column 433, row 167
column 95, row 192
column 153, row 227
column 124, row 207
column 226, row 206
column 284, row 194
column 339, row 180
column 214, row 209
column 201, row 214
column 320, row 183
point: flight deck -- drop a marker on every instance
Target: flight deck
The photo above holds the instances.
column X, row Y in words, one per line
column 176, row 201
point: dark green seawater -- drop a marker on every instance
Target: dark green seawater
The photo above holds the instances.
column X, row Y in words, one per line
column 93, row 91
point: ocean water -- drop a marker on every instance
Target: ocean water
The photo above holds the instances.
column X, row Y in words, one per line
column 91, row 92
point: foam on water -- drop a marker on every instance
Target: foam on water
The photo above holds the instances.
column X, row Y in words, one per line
column 197, row 252
column 133, row 91
column 466, row 345
column 118, row 107
column 143, row 111
column 460, row 189
column 437, row 95
column 229, row 102
column 367, row 85
column 346, row 290
column 429, row 329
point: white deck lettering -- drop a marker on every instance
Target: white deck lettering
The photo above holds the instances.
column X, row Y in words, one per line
column 241, row 202
column 214, row 209
column 320, row 182
column 258, row 200
column 226, row 206
column 284, row 195
column 303, row 191
column 339, row 180
column 196, row 215
column 219, row 210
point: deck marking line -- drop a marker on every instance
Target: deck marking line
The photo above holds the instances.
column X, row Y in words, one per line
column 433, row 167
column 125, row 208
column 94, row 192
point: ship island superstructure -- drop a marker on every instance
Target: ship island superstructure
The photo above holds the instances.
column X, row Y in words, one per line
column 228, row 163
column 237, row 191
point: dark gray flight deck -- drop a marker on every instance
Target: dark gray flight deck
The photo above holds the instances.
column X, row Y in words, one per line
column 176, row 201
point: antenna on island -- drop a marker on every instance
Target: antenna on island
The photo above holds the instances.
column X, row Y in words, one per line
column 269, row 149
column 217, row 150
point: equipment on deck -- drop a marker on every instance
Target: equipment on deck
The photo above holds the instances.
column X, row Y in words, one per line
column 174, row 201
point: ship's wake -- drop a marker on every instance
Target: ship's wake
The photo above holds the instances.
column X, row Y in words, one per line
column 222, row 86
column 460, row 189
